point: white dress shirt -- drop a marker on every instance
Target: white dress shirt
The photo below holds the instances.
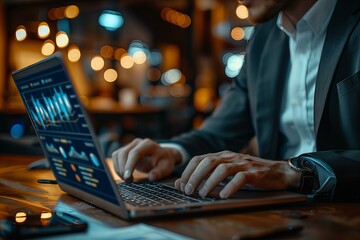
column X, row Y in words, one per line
column 306, row 42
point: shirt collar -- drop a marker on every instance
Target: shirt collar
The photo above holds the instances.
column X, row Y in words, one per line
column 317, row 18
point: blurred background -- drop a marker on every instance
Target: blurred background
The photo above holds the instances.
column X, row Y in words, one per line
column 142, row 68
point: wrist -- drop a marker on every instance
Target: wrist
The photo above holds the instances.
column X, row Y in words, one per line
column 305, row 167
column 293, row 178
column 176, row 155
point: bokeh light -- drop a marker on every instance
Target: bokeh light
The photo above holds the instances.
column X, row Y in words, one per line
column 126, row 61
column 45, row 215
column 17, row 130
column 74, row 53
column 20, row 33
column 20, row 217
column 237, row 33
column 71, row 11
column 48, row 48
column 139, row 57
column 97, row 63
column 43, row 30
column 118, row 53
column 171, row 76
column 175, row 17
column 111, row 20
column 155, row 58
column 62, row 39
column 242, row 12
column 110, row 75
column 106, row 51
column 234, row 64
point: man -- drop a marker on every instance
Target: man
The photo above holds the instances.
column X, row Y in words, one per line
column 298, row 93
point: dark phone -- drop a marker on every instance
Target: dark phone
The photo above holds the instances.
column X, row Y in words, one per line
column 30, row 226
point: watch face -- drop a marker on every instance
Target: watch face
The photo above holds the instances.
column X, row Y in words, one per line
column 307, row 168
column 303, row 164
column 306, row 165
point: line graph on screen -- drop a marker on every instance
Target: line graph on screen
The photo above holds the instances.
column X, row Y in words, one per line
column 55, row 109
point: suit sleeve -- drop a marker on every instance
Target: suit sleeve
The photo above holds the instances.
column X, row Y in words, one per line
column 228, row 128
column 346, row 166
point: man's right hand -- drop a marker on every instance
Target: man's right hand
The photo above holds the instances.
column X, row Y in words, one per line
column 147, row 156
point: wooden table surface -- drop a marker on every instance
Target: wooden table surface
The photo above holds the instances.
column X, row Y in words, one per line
column 321, row 220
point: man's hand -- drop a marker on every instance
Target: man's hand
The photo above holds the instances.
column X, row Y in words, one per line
column 147, row 156
column 205, row 172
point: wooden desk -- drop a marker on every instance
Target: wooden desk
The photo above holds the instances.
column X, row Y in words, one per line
column 18, row 188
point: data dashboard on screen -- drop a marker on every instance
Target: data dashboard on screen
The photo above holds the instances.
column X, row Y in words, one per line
column 57, row 116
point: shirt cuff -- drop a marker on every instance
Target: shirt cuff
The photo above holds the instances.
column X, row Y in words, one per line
column 327, row 179
column 181, row 149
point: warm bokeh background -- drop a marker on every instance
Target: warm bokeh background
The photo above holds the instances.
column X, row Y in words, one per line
column 143, row 68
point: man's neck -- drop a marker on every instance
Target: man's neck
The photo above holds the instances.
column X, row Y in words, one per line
column 297, row 9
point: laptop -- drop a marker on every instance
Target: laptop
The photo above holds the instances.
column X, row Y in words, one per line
column 79, row 165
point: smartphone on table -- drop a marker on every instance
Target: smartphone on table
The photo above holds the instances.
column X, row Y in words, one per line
column 22, row 225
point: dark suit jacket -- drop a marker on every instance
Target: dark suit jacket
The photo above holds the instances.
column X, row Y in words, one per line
column 252, row 105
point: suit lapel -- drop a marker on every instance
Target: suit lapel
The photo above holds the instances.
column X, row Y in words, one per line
column 272, row 73
column 339, row 29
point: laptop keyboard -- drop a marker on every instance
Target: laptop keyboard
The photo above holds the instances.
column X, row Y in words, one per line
column 152, row 194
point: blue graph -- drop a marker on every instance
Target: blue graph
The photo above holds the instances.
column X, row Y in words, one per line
column 73, row 153
column 51, row 148
column 50, row 111
column 72, row 149
column 56, row 109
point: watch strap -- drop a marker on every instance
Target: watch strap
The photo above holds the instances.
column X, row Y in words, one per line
column 307, row 179
column 306, row 183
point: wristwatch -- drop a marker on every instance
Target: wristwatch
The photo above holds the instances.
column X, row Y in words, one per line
column 307, row 169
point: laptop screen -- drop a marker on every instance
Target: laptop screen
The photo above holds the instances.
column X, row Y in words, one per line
column 62, row 127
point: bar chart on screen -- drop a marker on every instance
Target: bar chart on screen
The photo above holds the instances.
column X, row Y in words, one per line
column 52, row 109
